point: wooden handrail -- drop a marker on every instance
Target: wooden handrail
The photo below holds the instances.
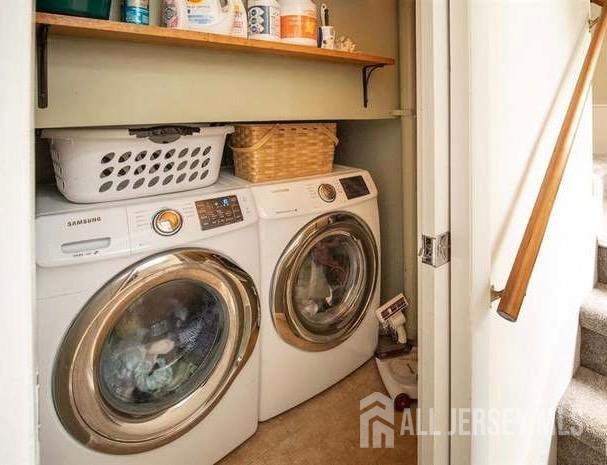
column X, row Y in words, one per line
column 516, row 287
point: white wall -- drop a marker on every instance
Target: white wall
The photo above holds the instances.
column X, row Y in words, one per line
column 520, row 68
column 17, row 430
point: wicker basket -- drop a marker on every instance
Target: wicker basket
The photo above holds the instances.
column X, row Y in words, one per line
column 270, row 152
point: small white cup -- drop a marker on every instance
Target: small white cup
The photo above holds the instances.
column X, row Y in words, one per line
column 327, row 37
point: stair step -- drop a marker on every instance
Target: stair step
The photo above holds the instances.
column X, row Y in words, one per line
column 593, row 315
column 570, row 451
column 593, row 351
column 582, row 413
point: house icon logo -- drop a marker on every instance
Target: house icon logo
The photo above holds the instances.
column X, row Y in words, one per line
column 376, row 421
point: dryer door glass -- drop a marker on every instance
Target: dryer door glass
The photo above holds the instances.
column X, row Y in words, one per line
column 163, row 347
column 155, row 350
column 324, row 282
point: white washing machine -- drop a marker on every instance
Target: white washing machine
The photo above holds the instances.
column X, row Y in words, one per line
column 148, row 317
column 320, row 267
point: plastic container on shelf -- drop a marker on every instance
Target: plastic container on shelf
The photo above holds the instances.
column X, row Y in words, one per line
column 200, row 15
column 99, row 9
column 101, row 165
column 174, row 14
column 263, row 17
column 299, row 22
column 136, row 11
column 240, row 27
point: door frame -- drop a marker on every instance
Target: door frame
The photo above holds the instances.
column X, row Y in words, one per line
column 469, row 203
column 18, row 380
column 433, row 218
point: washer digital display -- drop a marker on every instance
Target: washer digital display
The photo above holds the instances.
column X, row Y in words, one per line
column 218, row 212
column 354, row 187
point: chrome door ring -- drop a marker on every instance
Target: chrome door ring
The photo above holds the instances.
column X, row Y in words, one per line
column 76, row 391
column 286, row 322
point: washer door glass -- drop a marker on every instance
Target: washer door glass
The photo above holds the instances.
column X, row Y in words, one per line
column 164, row 346
column 151, row 354
column 324, row 282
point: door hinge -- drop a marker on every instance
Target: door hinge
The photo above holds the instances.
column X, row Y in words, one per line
column 436, row 251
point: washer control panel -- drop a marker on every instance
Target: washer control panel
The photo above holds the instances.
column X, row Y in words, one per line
column 218, row 212
column 167, row 222
column 181, row 220
column 354, row 187
column 82, row 234
column 327, row 193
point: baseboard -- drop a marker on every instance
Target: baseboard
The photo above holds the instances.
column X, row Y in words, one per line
column 600, row 129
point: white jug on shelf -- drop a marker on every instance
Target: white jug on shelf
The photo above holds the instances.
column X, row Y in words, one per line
column 214, row 16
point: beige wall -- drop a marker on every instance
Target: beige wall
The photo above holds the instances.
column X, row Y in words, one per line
column 600, row 129
column 600, row 80
column 109, row 83
column 95, row 82
column 376, row 147
column 408, row 86
column 387, row 149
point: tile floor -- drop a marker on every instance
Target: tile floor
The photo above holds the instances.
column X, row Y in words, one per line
column 325, row 431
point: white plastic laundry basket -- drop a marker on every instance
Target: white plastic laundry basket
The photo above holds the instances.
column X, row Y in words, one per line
column 100, row 165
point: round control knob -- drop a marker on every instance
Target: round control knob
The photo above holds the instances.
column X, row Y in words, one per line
column 327, row 192
column 167, row 222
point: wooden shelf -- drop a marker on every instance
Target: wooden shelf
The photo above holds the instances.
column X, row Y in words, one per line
column 112, row 30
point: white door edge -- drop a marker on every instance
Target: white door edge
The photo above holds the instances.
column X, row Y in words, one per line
column 470, row 251
column 432, row 32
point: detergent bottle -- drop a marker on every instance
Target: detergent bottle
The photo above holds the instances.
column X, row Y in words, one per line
column 203, row 12
column 240, row 28
column 298, row 22
column 212, row 16
column 264, row 19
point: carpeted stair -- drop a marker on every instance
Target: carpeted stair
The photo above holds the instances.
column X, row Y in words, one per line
column 582, row 413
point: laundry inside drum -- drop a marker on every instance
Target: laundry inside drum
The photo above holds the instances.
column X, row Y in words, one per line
column 329, row 283
column 164, row 347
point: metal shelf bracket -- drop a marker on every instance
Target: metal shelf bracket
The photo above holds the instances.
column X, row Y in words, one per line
column 42, row 64
column 367, row 72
